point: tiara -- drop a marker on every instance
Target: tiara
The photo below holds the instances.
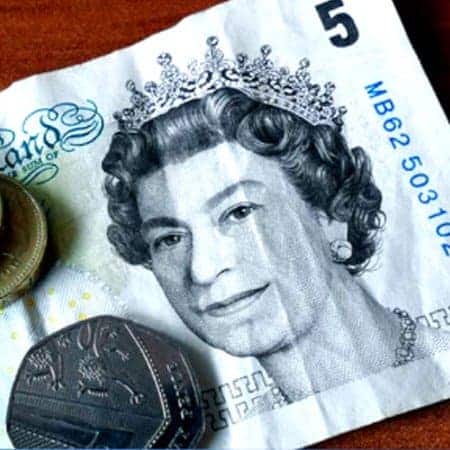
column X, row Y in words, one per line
column 259, row 78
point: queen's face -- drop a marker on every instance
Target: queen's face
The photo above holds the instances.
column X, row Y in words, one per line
column 241, row 258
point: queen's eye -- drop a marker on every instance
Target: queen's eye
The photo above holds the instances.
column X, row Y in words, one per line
column 239, row 213
column 167, row 241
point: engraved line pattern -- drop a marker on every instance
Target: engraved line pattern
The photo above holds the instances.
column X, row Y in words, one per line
column 439, row 318
column 231, row 402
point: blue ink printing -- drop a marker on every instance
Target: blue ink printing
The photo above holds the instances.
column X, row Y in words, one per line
column 413, row 164
column 46, row 132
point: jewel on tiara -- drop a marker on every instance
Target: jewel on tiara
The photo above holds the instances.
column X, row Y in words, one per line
column 259, row 78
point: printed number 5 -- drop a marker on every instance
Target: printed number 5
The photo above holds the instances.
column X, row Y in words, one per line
column 411, row 163
column 330, row 22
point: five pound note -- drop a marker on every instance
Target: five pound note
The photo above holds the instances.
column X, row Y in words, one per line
column 266, row 184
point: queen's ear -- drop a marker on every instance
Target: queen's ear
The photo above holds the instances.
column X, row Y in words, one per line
column 333, row 230
column 341, row 250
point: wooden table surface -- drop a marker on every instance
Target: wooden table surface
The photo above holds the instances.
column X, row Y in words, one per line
column 41, row 35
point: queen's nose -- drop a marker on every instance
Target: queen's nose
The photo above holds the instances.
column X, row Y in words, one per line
column 212, row 254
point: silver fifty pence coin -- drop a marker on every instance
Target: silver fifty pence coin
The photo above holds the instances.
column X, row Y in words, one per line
column 105, row 382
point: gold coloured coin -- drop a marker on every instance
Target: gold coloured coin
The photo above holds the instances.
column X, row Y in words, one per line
column 23, row 239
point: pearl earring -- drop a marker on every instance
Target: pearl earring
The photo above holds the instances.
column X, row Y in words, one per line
column 341, row 250
column 148, row 264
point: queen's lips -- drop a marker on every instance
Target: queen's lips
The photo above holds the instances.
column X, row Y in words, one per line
column 235, row 303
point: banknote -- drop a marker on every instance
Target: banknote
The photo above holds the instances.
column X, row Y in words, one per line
column 265, row 183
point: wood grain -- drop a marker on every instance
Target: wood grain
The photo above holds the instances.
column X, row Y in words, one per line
column 41, row 35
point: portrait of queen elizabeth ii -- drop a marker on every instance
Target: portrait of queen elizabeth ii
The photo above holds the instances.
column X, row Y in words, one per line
column 235, row 186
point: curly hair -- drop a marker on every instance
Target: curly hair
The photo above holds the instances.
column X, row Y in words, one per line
column 331, row 177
